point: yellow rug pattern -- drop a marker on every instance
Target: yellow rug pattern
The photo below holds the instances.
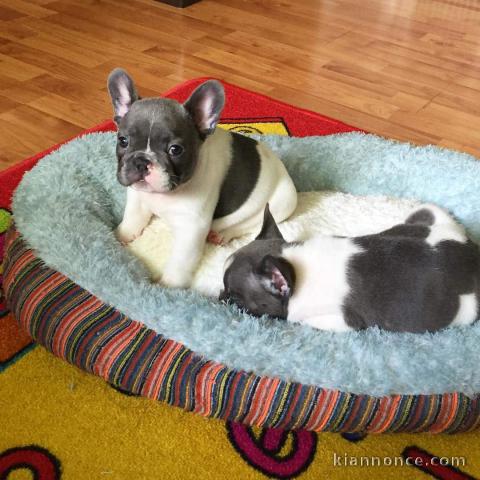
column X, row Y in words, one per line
column 96, row 432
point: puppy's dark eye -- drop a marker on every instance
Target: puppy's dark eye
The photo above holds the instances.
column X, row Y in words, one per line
column 123, row 141
column 175, row 150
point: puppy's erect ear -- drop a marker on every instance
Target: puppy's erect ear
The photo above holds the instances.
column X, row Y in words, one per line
column 205, row 106
column 122, row 91
column 278, row 276
column 269, row 229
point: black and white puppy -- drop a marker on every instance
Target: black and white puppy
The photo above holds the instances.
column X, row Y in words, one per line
column 177, row 165
column 421, row 275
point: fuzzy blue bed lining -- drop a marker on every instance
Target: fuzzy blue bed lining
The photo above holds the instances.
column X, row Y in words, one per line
column 67, row 207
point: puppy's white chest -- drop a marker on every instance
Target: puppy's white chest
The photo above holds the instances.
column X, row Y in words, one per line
column 168, row 205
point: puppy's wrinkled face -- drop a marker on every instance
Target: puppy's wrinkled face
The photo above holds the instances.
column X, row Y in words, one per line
column 159, row 139
column 257, row 279
column 157, row 146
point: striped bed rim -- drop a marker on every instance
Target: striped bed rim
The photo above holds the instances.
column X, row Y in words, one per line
column 80, row 328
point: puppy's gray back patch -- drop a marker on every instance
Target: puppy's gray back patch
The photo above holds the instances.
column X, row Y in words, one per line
column 242, row 175
column 421, row 217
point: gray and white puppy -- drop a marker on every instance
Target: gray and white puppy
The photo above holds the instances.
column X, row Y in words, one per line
column 421, row 275
column 177, row 165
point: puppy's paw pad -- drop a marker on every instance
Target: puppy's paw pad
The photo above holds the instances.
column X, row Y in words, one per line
column 215, row 238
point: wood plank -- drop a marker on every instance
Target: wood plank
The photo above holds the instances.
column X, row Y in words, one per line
column 26, row 131
column 27, row 8
column 408, row 70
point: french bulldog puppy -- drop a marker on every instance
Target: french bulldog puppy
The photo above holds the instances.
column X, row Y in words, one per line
column 177, row 165
column 422, row 275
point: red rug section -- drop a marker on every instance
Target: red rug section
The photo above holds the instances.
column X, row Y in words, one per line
column 240, row 104
column 244, row 104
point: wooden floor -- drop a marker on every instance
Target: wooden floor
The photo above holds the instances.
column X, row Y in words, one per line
column 407, row 69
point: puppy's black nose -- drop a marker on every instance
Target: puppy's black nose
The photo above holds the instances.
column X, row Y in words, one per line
column 141, row 163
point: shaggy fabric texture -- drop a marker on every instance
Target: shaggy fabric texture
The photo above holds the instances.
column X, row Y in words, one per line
column 68, row 205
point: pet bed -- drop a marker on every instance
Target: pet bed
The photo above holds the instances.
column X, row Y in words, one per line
column 103, row 314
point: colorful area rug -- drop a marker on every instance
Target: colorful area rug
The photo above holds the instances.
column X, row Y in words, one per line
column 59, row 422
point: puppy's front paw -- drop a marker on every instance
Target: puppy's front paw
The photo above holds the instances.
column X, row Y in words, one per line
column 176, row 278
column 126, row 235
